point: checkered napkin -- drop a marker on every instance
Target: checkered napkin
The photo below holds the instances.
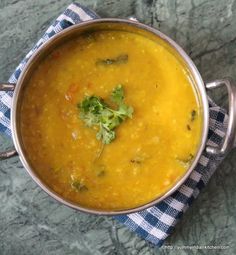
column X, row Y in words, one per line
column 156, row 223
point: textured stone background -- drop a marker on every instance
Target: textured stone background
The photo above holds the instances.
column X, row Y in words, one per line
column 33, row 223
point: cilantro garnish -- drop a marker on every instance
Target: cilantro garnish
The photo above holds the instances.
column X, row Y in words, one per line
column 94, row 111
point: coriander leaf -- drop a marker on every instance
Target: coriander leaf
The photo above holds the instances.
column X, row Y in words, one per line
column 126, row 110
column 95, row 112
column 106, row 135
column 117, row 95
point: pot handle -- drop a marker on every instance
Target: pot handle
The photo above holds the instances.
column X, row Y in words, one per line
column 230, row 135
column 11, row 152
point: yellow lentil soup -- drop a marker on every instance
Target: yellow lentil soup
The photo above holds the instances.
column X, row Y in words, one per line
column 150, row 149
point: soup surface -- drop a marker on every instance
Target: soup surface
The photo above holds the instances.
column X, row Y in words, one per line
column 150, row 151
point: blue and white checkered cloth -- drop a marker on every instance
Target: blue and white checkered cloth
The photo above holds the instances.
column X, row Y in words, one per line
column 156, row 223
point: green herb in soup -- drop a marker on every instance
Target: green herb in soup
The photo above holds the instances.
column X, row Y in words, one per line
column 186, row 160
column 94, row 111
column 121, row 59
column 193, row 115
column 79, row 186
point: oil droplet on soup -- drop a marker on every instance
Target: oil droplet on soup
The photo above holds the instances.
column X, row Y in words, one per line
column 151, row 151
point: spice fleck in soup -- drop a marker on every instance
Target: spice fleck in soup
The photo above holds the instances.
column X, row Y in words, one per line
column 111, row 120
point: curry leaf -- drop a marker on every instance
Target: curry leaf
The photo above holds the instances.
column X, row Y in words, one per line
column 79, row 186
column 193, row 115
column 121, row 59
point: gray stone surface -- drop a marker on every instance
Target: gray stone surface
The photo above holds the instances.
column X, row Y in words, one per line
column 33, row 223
